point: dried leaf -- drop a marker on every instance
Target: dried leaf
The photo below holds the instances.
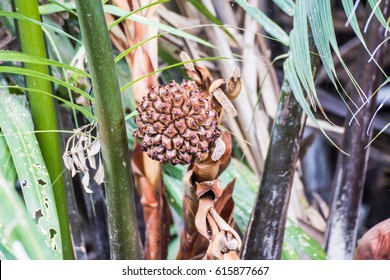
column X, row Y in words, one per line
column 233, row 85
column 79, row 166
column 216, row 85
column 224, row 226
column 92, row 161
column 205, row 77
column 85, row 183
column 214, row 229
column 225, row 204
column 236, row 74
column 99, row 175
column 88, row 142
column 187, row 184
column 225, row 102
column 205, row 204
column 82, row 160
column 209, row 169
column 68, row 162
column 214, row 252
column 74, row 171
column 208, row 186
column 219, row 149
column 185, row 57
column 142, row 87
column 94, row 149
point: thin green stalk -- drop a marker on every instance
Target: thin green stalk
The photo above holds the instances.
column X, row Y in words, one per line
column 122, row 222
column 43, row 113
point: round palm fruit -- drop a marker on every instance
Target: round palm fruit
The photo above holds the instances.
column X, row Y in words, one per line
column 177, row 123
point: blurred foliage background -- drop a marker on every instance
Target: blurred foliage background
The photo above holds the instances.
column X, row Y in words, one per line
column 310, row 144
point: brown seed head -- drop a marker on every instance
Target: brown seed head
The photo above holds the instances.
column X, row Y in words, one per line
column 177, row 123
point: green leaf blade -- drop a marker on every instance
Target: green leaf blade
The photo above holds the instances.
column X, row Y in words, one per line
column 33, row 73
column 287, row 6
column 28, row 58
column 31, row 169
column 43, row 25
column 271, row 27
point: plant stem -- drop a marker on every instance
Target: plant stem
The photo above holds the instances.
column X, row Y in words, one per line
column 122, row 222
column 265, row 233
column 266, row 228
column 350, row 172
column 44, row 114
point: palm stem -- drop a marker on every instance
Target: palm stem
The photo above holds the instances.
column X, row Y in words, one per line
column 265, row 233
column 44, row 114
column 350, row 172
column 122, row 223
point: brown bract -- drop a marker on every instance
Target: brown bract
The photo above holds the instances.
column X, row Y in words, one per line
column 207, row 208
column 208, row 231
column 375, row 243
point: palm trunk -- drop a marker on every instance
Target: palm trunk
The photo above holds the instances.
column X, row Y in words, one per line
column 350, row 173
column 122, row 222
column 265, row 233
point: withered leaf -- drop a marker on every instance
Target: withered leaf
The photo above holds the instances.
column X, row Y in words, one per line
column 99, row 175
column 205, row 203
column 85, row 183
column 94, row 149
column 219, row 149
column 185, row 57
column 225, row 102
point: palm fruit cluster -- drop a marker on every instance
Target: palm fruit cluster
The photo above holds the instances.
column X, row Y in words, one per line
column 177, row 123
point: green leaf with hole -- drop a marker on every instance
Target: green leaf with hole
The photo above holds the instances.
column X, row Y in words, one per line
column 17, row 127
column 19, row 236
